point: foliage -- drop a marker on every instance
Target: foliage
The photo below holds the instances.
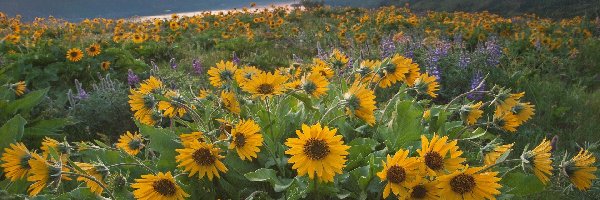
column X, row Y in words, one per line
column 172, row 70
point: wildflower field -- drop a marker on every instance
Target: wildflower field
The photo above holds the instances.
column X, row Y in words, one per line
column 289, row 103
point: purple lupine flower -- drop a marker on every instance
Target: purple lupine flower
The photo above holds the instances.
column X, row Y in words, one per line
column 493, row 51
column 81, row 94
column 410, row 51
column 477, row 79
column 388, row 48
column 197, row 66
column 433, row 59
column 350, row 62
column 235, row 59
column 173, row 63
column 463, row 60
column 132, row 78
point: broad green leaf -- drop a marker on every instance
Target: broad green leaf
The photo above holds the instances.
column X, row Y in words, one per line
column 25, row 104
column 359, row 149
column 522, row 184
column 101, row 144
column 298, row 188
column 404, row 126
column 362, row 175
column 164, row 142
column 503, row 157
column 12, row 131
column 307, row 102
column 48, row 127
column 269, row 175
column 17, row 187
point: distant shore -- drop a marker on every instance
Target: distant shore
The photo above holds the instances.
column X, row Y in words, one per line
column 189, row 14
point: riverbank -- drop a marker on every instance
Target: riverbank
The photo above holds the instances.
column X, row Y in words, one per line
column 256, row 8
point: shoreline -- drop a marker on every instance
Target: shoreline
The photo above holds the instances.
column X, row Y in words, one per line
column 194, row 13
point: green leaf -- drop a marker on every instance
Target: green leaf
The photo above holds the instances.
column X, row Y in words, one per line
column 101, row 144
column 298, row 188
column 503, row 157
column 12, row 131
column 164, row 142
column 404, row 127
column 269, row 175
column 307, row 102
column 25, row 104
column 522, row 184
column 48, row 127
column 362, row 175
column 359, row 149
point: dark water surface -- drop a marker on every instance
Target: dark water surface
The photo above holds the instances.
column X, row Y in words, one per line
column 77, row 10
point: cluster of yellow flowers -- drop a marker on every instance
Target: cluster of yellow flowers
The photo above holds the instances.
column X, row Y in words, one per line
column 437, row 171
column 313, row 80
column 358, row 24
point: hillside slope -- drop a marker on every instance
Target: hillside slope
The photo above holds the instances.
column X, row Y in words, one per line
column 544, row 8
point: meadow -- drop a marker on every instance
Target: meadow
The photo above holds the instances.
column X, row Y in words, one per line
column 313, row 103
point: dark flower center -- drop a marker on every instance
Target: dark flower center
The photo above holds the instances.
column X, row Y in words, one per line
column 338, row 63
column 364, row 70
column 434, row 160
column 240, row 140
column 54, row 173
column 92, row 49
column 74, row 54
column 390, row 68
column 309, row 87
column 25, row 161
column 149, row 101
column 226, row 127
column 135, row 144
column 63, row 148
column 418, row 192
column 462, row 183
column 248, row 75
column 518, row 108
column 323, row 73
column 353, row 102
column 316, row 149
column 203, row 157
column 164, row 187
column 501, row 122
column 265, row 88
column 569, row 169
column 396, row 174
column 226, row 75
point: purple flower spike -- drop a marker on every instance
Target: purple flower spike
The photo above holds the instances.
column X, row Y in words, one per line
column 476, row 95
column 493, row 51
column 197, row 66
column 388, row 48
column 463, row 60
column 433, row 59
column 132, row 78
column 81, row 94
column 235, row 59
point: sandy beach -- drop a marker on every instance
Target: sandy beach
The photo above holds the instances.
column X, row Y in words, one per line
column 188, row 14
